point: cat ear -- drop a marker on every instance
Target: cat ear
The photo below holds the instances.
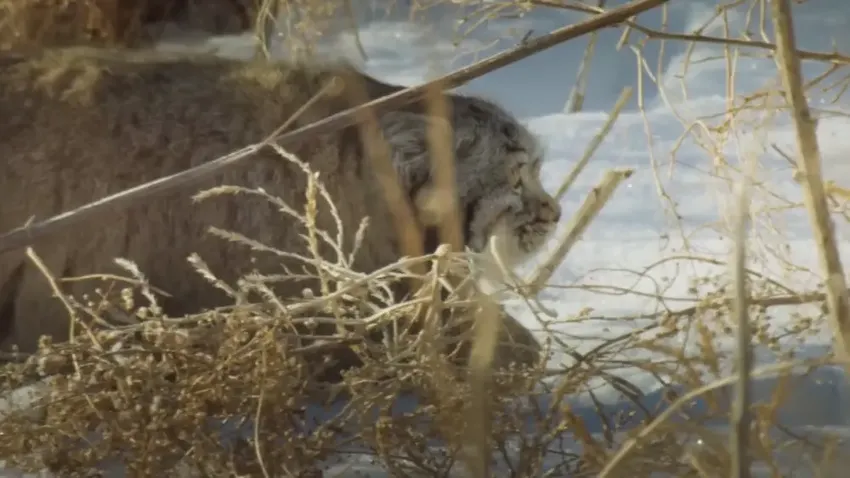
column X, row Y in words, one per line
column 407, row 136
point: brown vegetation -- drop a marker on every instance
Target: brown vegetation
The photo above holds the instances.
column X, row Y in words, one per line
column 31, row 23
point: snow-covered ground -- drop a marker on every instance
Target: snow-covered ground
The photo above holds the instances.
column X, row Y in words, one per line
column 637, row 229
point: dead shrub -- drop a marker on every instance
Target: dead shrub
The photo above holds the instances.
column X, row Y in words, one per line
column 154, row 390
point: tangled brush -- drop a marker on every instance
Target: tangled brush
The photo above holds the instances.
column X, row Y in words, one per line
column 153, row 391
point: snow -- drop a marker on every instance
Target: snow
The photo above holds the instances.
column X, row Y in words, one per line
column 635, row 230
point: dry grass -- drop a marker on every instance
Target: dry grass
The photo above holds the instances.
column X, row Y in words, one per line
column 156, row 389
column 30, row 23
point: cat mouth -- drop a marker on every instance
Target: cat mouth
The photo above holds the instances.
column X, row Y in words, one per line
column 535, row 228
column 529, row 238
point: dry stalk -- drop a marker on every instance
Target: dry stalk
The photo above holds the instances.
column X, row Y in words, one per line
column 265, row 27
column 595, row 142
column 593, row 203
column 741, row 419
column 380, row 155
column 257, row 421
column 440, row 201
column 511, row 277
column 329, row 87
column 29, row 234
column 355, row 29
column 683, row 400
column 443, row 194
column 73, row 318
column 808, row 163
column 54, row 287
column 575, row 102
column 479, row 422
column 835, row 58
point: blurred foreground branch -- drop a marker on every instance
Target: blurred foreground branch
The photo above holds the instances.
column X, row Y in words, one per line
column 808, row 163
column 741, row 415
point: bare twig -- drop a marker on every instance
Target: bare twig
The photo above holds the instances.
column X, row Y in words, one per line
column 575, row 102
column 28, row 235
column 834, row 58
column 740, row 432
column 355, row 28
column 808, row 163
column 379, row 154
column 594, row 143
column 265, row 28
column 591, row 206
column 440, row 145
column 479, row 423
column 640, row 437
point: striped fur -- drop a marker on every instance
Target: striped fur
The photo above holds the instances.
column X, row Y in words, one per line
column 79, row 124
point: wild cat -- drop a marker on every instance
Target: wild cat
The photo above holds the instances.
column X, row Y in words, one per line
column 81, row 123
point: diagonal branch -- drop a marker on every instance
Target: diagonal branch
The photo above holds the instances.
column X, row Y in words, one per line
column 808, row 163
column 741, row 414
column 28, row 235
column 593, row 203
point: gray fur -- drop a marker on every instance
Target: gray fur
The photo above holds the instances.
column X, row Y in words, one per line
column 79, row 124
column 497, row 163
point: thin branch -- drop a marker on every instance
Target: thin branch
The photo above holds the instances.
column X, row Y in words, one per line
column 575, row 103
column 763, row 302
column 351, row 14
column 28, row 235
column 479, row 426
column 266, row 28
column 594, row 143
column 380, row 156
column 440, row 144
column 683, row 400
column 808, row 163
column 834, row 58
column 741, row 419
column 593, row 203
